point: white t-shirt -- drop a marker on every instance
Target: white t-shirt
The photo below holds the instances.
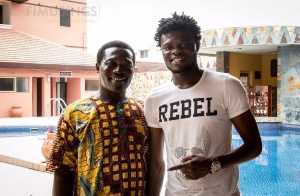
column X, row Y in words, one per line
column 196, row 121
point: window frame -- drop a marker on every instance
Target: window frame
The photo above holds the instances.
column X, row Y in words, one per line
column 5, row 14
column 144, row 54
column 89, row 79
column 15, row 85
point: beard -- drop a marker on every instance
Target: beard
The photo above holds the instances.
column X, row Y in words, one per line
column 184, row 69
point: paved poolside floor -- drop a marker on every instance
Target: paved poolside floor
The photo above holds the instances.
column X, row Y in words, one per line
column 22, row 169
column 22, row 166
column 24, row 151
column 20, row 181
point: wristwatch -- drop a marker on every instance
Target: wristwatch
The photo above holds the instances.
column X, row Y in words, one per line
column 215, row 166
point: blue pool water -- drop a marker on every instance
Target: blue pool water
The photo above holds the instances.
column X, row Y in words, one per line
column 276, row 171
column 16, row 131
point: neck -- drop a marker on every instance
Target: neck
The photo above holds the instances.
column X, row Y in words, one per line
column 110, row 97
column 187, row 79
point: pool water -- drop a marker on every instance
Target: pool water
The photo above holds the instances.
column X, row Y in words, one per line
column 19, row 131
column 277, row 170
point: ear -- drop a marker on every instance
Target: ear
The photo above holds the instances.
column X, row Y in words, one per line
column 97, row 66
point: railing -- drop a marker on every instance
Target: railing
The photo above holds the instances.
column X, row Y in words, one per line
column 59, row 102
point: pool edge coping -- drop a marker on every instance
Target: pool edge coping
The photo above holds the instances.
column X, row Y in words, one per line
column 23, row 163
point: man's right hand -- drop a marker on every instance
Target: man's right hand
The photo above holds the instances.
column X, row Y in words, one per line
column 193, row 167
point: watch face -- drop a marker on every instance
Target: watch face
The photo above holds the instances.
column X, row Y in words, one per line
column 215, row 167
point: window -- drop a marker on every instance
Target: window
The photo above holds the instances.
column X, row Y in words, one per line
column 22, row 84
column 91, row 85
column 274, row 68
column 5, row 7
column 144, row 53
column 65, row 18
column 12, row 84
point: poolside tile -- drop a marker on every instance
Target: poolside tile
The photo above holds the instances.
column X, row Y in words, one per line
column 24, row 163
column 5, row 159
column 42, row 168
column 20, row 162
column 29, row 165
column 15, row 161
column 35, row 166
column 9, row 160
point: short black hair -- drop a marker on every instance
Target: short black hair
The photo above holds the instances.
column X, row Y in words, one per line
column 178, row 22
column 113, row 44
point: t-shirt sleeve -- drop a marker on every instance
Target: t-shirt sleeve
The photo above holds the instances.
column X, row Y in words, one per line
column 150, row 114
column 64, row 152
column 236, row 99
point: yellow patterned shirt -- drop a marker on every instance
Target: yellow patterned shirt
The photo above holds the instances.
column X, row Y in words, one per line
column 105, row 145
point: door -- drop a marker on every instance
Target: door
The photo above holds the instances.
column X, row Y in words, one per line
column 37, row 96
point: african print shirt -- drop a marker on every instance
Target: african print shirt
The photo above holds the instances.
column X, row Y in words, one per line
column 105, row 145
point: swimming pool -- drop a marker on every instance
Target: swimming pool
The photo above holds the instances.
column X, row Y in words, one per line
column 27, row 126
column 277, row 170
column 28, row 130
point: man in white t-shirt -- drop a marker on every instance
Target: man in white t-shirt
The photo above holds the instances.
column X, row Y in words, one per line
column 193, row 115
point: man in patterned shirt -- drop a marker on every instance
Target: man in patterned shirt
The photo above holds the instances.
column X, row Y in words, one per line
column 101, row 143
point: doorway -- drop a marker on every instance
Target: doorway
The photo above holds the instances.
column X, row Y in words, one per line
column 244, row 78
column 37, row 96
column 39, row 93
column 61, row 92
